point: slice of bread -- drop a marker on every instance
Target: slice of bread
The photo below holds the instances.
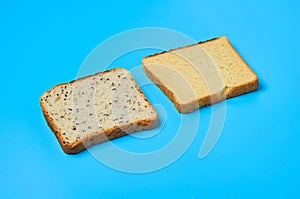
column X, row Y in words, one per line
column 200, row 74
column 96, row 108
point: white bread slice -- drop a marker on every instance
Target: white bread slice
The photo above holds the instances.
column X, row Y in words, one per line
column 96, row 108
column 200, row 74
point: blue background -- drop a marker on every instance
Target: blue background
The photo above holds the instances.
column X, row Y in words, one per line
column 43, row 43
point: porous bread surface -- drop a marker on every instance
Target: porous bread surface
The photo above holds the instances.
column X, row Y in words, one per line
column 94, row 109
column 200, row 74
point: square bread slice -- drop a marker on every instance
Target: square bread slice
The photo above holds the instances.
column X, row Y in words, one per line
column 96, row 108
column 200, row 74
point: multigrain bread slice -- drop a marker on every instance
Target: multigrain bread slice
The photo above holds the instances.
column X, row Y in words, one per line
column 96, row 108
column 200, row 74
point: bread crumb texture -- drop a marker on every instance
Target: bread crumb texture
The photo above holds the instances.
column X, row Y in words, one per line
column 97, row 108
column 201, row 74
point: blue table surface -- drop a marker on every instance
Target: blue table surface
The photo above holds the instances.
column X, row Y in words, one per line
column 43, row 43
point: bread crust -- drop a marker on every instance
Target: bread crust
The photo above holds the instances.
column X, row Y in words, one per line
column 101, row 136
column 209, row 99
column 171, row 50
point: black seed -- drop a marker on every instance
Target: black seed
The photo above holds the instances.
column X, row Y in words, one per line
column 89, row 127
column 119, row 75
column 107, row 79
column 91, row 114
column 113, row 84
column 113, row 89
column 70, row 109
